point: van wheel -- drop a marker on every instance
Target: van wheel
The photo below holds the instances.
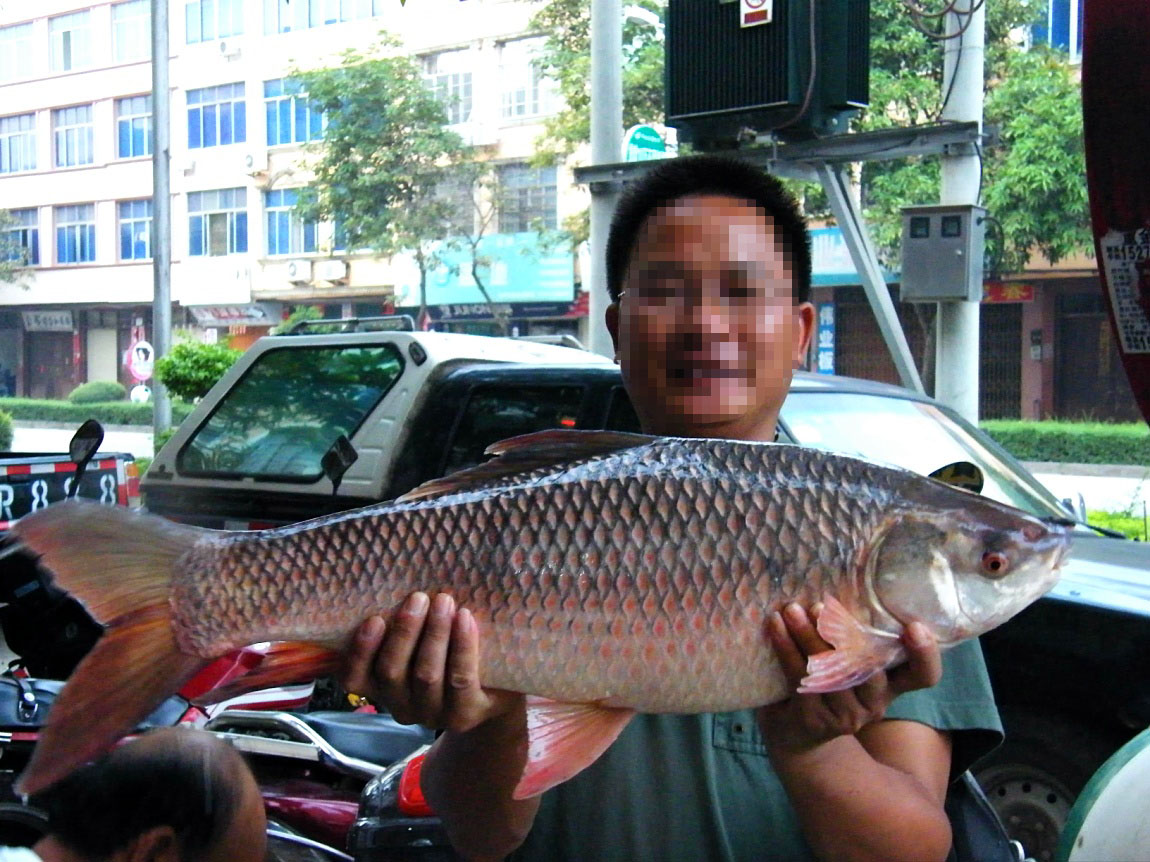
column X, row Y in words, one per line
column 1033, row 778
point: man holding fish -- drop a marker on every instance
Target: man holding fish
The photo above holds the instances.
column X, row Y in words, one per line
column 709, row 273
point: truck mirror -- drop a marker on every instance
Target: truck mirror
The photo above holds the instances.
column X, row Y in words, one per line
column 82, row 448
column 337, row 460
column 961, row 474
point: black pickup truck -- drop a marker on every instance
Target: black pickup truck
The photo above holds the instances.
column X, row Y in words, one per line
column 1071, row 673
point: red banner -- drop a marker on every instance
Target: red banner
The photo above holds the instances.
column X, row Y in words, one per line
column 1011, row 291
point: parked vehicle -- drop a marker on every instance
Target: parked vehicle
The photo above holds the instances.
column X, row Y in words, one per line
column 1070, row 673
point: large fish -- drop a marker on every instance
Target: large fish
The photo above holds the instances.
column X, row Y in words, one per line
column 608, row 574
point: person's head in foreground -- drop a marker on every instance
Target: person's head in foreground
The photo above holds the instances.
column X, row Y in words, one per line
column 171, row 795
column 709, row 272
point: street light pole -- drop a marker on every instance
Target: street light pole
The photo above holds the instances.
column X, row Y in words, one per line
column 606, row 144
column 161, row 213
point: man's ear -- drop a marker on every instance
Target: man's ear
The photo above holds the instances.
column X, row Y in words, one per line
column 157, row 844
column 611, row 318
column 804, row 328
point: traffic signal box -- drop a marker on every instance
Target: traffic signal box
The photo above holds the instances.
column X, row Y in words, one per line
column 800, row 75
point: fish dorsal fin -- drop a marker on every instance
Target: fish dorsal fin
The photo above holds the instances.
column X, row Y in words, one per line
column 525, row 453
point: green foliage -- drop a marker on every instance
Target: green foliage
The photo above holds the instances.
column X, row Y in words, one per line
column 12, row 256
column 1073, row 442
column 98, row 390
column 108, row 413
column 385, row 150
column 566, row 59
column 192, row 368
column 5, row 430
column 1133, row 524
column 299, row 314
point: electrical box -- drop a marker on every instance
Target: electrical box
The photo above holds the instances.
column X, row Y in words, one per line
column 800, row 75
column 942, row 248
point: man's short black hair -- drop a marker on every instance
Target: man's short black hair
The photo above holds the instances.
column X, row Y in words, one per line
column 708, row 175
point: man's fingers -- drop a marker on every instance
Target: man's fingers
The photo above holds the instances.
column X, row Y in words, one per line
column 361, row 656
column 428, row 671
column 791, row 658
column 924, row 661
column 465, row 698
column 394, row 657
column 801, row 625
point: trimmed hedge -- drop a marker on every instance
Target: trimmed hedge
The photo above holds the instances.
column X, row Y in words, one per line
column 107, row 413
column 5, row 431
column 1132, row 525
column 1073, row 442
column 95, row 391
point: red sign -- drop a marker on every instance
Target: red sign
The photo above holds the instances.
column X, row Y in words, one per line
column 997, row 291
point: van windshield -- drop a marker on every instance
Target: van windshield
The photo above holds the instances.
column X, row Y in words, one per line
column 280, row 418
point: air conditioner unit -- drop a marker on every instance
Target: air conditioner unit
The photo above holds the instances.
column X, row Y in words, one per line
column 229, row 48
column 299, row 271
column 334, row 271
column 189, row 167
column 256, row 161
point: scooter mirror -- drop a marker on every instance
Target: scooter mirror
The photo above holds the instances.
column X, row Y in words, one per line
column 337, row 460
column 86, row 442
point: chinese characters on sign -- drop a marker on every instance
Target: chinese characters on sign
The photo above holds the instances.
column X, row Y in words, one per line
column 825, row 346
column 1126, row 256
column 47, row 321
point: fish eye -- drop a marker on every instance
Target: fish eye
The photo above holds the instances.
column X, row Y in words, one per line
column 994, row 563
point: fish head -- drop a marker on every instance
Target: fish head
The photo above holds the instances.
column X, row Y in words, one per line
column 964, row 570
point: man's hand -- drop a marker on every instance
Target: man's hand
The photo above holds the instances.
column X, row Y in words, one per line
column 424, row 667
column 804, row 721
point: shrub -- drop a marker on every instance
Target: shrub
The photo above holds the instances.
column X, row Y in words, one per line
column 96, row 391
column 1073, row 442
column 107, row 413
column 5, row 431
column 192, row 368
column 1133, row 525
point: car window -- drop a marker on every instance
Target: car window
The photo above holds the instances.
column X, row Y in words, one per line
column 498, row 412
column 277, row 422
column 621, row 413
column 914, row 435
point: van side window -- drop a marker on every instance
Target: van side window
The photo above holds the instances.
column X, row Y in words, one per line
column 497, row 412
column 620, row 414
column 280, row 418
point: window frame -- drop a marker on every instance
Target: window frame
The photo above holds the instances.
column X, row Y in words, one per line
column 281, row 217
column 279, row 17
column 84, row 230
column 300, row 112
column 225, row 18
column 16, row 51
column 134, row 121
column 30, row 234
column 233, row 217
column 75, row 43
column 524, row 91
column 207, row 112
column 131, row 31
column 452, row 87
column 74, row 132
column 526, row 210
column 27, row 148
column 134, row 219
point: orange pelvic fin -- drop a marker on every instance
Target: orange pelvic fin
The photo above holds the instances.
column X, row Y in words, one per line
column 119, row 564
column 859, row 651
column 563, row 739
column 283, row 663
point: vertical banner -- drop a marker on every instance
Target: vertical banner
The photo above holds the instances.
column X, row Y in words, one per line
column 825, row 345
column 1116, row 126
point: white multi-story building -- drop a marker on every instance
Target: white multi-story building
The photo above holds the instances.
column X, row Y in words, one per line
column 76, row 171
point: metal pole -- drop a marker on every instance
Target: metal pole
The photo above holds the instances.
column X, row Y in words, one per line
column 606, row 145
column 858, row 241
column 956, row 352
column 161, row 212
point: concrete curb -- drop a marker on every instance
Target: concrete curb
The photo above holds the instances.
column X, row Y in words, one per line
column 1105, row 471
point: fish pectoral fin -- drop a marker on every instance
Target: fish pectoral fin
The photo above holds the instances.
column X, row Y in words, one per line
column 859, row 652
column 563, row 739
column 283, row 663
column 525, row 453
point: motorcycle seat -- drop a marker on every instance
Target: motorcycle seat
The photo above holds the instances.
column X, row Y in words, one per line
column 374, row 737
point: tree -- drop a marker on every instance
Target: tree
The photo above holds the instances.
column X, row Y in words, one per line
column 13, row 256
column 385, row 151
column 192, row 368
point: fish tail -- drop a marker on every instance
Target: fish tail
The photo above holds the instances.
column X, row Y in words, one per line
column 119, row 564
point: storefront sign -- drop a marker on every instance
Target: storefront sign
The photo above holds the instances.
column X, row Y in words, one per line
column 831, row 263
column 254, row 314
column 459, row 312
column 47, row 321
column 997, row 291
column 141, row 359
column 825, row 346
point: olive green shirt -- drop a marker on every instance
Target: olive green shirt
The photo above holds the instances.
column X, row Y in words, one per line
column 701, row 787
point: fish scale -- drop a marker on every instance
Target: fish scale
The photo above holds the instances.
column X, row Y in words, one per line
column 636, row 540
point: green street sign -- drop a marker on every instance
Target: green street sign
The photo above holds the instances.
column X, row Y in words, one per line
column 643, row 143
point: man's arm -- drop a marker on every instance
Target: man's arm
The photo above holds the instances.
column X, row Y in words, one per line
column 863, row 788
column 425, row 670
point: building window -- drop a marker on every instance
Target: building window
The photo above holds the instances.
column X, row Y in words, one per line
column 448, row 76
column 218, row 222
column 135, row 230
column 527, row 198
column 1061, row 27
column 132, row 30
column 287, row 232
column 71, row 41
column 23, row 237
column 73, row 135
column 15, row 51
column 76, row 233
column 216, row 116
column 291, row 118
column 133, row 127
column 17, row 143
column 526, row 91
column 213, row 19
column 283, row 16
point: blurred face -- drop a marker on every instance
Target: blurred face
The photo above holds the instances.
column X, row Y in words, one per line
column 707, row 330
